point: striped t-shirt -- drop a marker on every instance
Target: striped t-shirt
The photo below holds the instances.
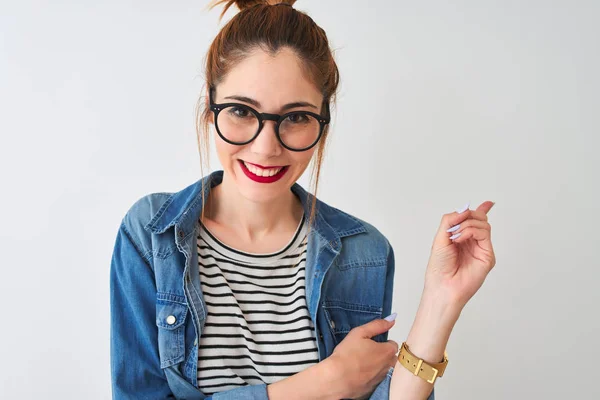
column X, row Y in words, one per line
column 258, row 328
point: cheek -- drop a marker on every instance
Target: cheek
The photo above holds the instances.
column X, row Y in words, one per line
column 302, row 159
column 225, row 151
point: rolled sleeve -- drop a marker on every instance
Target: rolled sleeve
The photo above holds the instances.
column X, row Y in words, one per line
column 252, row 392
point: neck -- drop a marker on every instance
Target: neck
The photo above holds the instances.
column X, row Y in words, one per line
column 252, row 220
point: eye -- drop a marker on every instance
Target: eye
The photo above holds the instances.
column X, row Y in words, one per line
column 238, row 112
column 298, row 118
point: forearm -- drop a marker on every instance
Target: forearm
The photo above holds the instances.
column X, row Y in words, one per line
column 427, row 339
column 317, row 382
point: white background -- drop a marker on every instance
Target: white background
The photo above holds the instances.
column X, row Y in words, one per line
column 440, row 103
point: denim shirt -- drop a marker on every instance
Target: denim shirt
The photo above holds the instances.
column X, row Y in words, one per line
column 158, row 310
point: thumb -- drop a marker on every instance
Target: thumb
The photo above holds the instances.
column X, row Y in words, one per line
column 375, row 327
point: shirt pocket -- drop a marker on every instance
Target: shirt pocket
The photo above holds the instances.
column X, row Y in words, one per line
column 343, row 317
column 171, row 312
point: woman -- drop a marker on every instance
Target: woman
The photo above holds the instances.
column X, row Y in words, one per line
column 245, row 286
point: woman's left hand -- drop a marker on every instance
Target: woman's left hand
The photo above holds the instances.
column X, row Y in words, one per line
column 457, row 267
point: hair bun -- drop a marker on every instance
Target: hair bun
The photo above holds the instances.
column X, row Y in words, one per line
column 245, row 4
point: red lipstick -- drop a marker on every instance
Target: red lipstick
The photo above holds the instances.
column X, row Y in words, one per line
column 263, row 179
column 263, row 167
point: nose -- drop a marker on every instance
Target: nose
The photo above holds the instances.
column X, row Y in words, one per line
column 267, row 144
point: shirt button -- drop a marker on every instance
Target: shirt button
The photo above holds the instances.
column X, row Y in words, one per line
column 181, row 234
column 171, row 319
column 332, row 324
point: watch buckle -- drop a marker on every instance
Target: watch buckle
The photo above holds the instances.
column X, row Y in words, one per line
column 435, row 373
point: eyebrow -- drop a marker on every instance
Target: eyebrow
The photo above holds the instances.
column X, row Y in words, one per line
column 284, row 108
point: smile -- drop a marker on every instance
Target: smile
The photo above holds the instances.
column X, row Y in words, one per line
column 263, row 174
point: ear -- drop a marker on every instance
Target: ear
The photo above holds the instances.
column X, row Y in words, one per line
column 211, row 115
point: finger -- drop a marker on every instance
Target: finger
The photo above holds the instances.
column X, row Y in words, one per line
column 393, row 346
column 481, row 212
column 393, row 349
column 448, row 221
column 481, row 235
column 479, row 215
column 456, row 218
column 485, row 207
column 457, row 230
column 373, row 328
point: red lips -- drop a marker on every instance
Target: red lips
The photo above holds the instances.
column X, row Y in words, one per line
column 263, row 179
column 264, row 167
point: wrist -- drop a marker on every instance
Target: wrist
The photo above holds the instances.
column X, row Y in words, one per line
column 433, row 324
column 332, row 377
column 319, row 382
column 439, row 295
column 435, row 306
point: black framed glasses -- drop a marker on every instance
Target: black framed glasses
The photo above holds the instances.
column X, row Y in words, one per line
column 240, row 124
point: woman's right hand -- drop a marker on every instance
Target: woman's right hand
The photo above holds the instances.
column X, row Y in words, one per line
column 360, row 363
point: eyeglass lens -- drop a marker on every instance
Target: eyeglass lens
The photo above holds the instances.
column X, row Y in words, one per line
column 239, row 125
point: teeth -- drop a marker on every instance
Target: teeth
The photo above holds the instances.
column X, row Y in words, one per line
column 262, row 172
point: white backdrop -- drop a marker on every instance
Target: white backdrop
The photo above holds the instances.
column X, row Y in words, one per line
column 440, row 104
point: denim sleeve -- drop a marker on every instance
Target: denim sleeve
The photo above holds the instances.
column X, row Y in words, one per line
column 251, row 392
column 134, row 359
column 382, row 391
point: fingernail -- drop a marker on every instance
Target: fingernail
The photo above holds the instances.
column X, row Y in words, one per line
column 391, row 317
column 465, row 208
column 454, row 228
column 455, row 236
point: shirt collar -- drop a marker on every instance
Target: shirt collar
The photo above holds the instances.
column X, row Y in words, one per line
column 183, row 208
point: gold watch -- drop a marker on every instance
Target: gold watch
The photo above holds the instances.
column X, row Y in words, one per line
column 418, row 367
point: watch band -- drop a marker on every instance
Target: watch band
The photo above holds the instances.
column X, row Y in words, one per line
column 418, row 367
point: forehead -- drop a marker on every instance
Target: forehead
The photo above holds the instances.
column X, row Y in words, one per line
column 270, row 79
